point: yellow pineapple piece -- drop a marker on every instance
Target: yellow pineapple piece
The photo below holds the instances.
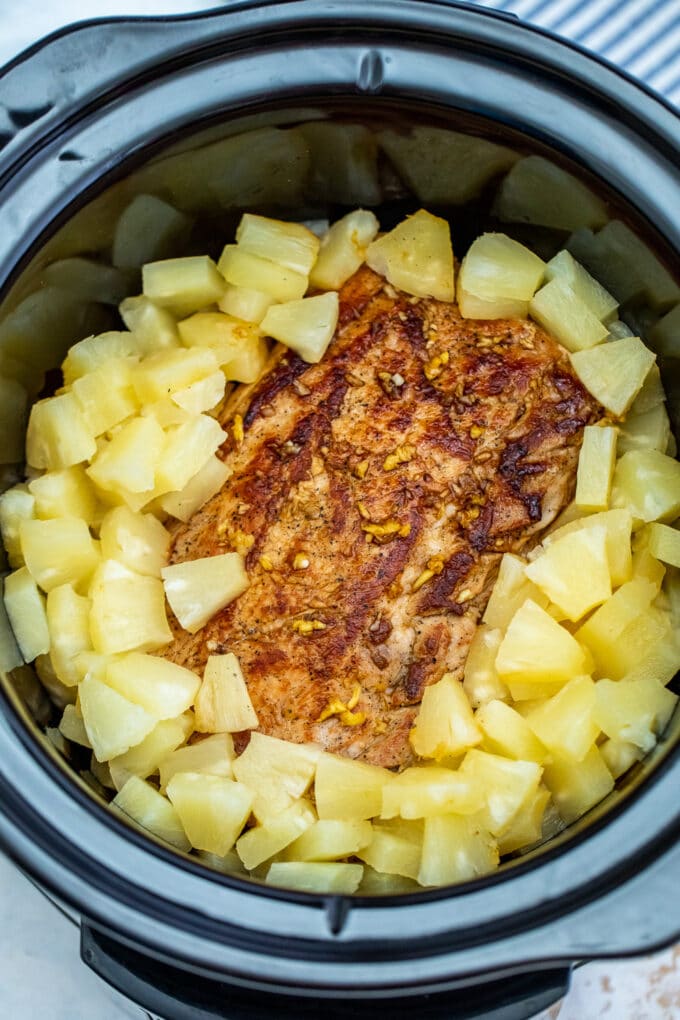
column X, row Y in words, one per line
column 316, row 877
column 25, row 609
column 161, row 687
column 216, row 331
column 58, row 435
column 347, row 789
column 578, row 786
column 648, row 482
column 635, row 711
column 214, row 755
column 68, row 621
column 595, row 468
column 566, row 722
column 262, row 842
column 128, row 611
column 10, row 655
column 343, row 249
column 455, row 849
column 538, row 191
column 526, row 828
column 243, row 269
column 605, row 628
column 473, row 307
column 184, row 284
column 307, row 326
column 138, row 540
column 618, row 525
column 445, row 724
column 65, row 493
column 499, row 269
column 481, row 682
column 392, row 854
column 106, row 395
column 507, row 733
column 330, row 840
column 416, row 256
column 503, row 784
column 128, row 462
column 245, row 303
column 249, row 361
column 16, row 505
column 198, row 490
column 650, row 430
column 510, row 591
column 72, row 727
column 569, row 319
column 538, row 650
column 664, row 543
column 619, row 755
column 164, row 373
column 601, row 303
column 113, row 723
column 223, row 703
column 145, row 758
column 289, row 244
column 559, row 571
column 422, row 792
column 59, row 551
column 152, row 811
column 94, row 352
column 154, row 328
column 614, row 372
column 212, row 809
column 277, row 771
column 198, row 589
column 201, row 396
column 187, row 449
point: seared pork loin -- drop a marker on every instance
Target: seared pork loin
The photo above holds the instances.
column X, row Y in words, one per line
column 373, row 495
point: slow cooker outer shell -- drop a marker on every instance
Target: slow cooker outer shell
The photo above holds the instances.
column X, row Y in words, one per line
column 612, row 889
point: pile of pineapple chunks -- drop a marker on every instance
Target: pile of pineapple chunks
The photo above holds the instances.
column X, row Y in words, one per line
column 565, row 683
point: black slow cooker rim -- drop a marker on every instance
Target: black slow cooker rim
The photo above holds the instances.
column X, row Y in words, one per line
column 336, row 922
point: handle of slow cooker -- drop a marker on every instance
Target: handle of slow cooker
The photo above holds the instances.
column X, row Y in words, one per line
column 171, row 994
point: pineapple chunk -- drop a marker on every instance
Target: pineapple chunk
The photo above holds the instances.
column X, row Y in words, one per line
column 481, row 683
column 164, row 373
column 198, row 589
column 68, row 621
column 66, row 493
column 248, row 362
column 145, row 758
column 204, row 484
column 94, row 351
column 652, row 393
column 538, row 191
column 10, row 656
column 558, row 309
column 423, row 792
column 162, row 688
column 665, row 333
column 604, row 628
column 664, row 543
column 578, row 786
column 213, row 810
column 72, row 726
column 106, row 396
column 595, row 468
column 392, row 854
column 203, row 395
column 288, row 244
column 586, row 288
column 307, row 326
column 526, row 828
column 152, row 811
column 59, row 693
column 128, row 462
column 648, row 482
column 507, row 733
column 58, row 435
column 538, row 650
column 154, row 328
column 445, row 724
column 619, row 756
column 614, row 372
column 128, row 611
column 245, row 303
column 565, row 723
column 60, row 551
column 187, row 449
column 416, row 256
column 315, row 877
column 629, row 263
column 183, row 285
column 113, row 723
column 618, row 525
column 243, row 269
column 148, row 229
column 223, row 703
column 511, row 590
column 498, row 269
column 330, row 839
column 223, row 334
column 278, row 772
column 650, row 430
column 262, row 842
column 214, row 756
column 26, row 612
column 343, row 249
column 559, row 571
column 348, row 789
column 137, row 540
column 635, row 711
column 456, row 849
column 16, row 505
column 473, row 307
column 344, row 163
column 504, row 786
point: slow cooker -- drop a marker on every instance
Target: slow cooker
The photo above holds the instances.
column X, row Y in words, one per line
column 88, row 117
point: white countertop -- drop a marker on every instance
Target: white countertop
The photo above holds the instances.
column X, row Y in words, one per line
column 41, row 976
